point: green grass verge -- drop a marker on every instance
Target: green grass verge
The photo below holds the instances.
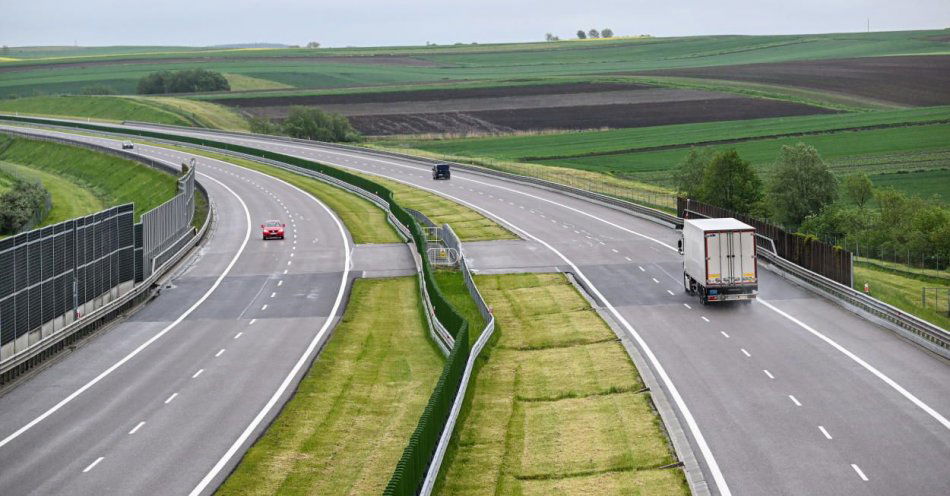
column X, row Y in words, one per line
column 366, row 222
column 349, row 421
column 453, row 287
column 468, row 224
column 902, row 291
column 557, row 406
column 70, row 200
column 113, row 180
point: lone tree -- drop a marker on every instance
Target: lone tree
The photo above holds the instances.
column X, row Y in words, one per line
column 607, row 33
column 313, row 44
column 801, row 185
column 688, row 176
column 593, row 33
column 730, row 182
column 581, row 35
column 858, row 189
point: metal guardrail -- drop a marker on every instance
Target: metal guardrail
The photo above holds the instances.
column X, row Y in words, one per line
column 433, row 473
column 647, row 213
column 51, row 344
column 926, row 334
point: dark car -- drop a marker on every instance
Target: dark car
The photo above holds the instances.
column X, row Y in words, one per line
column 127, row 145
column 272, row 229
column 441, row 171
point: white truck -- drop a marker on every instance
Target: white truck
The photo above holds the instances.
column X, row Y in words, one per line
column 719, row 260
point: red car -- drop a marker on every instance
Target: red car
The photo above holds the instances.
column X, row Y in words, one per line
column 273, row 229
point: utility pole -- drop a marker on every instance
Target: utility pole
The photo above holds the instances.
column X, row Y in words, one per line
column 869, row 24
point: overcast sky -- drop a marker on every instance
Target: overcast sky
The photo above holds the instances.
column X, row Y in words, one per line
column 413, row 22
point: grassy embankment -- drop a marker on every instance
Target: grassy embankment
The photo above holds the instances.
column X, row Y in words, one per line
column 69, row 199
column 557, row 407
column 900, row 286
column 109, row 179
column 160, row 110
column 450, row 62
column 349, row 421
column 468, row 224
column 366, row 222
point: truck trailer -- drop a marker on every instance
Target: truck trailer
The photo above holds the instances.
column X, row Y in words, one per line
column 719, row 260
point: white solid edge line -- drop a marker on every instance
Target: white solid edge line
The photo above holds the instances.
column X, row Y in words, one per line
column 711, row 463
column 216, row 469
column 136, row 351
column 880, row 375
column 397, row 164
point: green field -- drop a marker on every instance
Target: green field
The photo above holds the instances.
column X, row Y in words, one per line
column 113, row 180
column 450, row 62
column 348, row 423
column 557, row 407
column 70, row 200
column 161, row 110
column 365, row 221
column 619, row 141
column 452, row 285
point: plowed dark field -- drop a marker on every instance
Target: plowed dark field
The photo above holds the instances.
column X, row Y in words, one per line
column 580, row 117
column 920, row 80
column 428, row 95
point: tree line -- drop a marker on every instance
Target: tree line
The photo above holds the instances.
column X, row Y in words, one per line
column 184, row 81
column 803, row 196
column 583, row 35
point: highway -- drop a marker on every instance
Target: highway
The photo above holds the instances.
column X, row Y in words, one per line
column 789, row 395
column 254, row 312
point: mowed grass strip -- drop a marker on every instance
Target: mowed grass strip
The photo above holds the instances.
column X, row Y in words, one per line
column 557, row 406
column 113, row 180
column 349, row 421
column 69, row 199
column 468, row 224
column 366, row 222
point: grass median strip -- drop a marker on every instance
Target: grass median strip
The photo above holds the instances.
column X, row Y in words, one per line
column 349, row 421
column 468, row 224
column 366, row 222
column 557, row 407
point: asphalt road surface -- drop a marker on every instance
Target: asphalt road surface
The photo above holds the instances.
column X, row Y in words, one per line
column 789, row 395
column 161, row 421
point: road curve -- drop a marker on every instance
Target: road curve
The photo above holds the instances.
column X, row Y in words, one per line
column 170, row 398
column 780, row 392
column 789, row 395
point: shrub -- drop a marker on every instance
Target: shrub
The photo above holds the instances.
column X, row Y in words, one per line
column 315, row 124
column 22, row 205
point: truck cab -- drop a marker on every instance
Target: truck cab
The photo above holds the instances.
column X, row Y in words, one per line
column 719, row 260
